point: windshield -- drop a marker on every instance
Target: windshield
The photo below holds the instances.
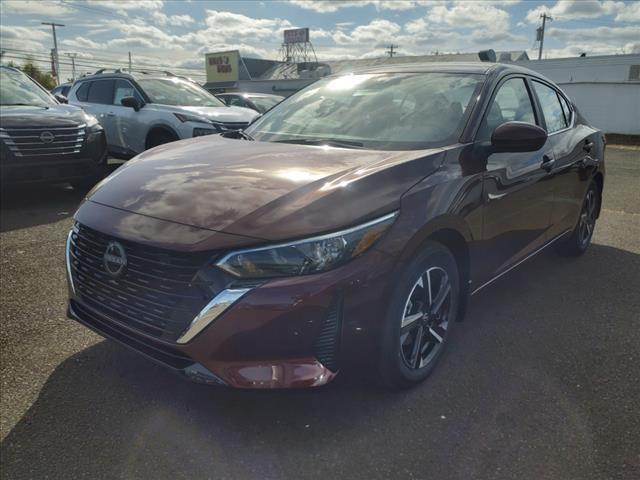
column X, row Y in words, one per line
column 176, row 91
column 18, row 89
column 376, row 111
column 264, row 103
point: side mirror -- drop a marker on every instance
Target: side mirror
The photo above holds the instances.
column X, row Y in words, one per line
column 131, row 102
column 61, row 98
column 518, row 137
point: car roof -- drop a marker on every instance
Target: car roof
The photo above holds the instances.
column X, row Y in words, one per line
column 482, row 68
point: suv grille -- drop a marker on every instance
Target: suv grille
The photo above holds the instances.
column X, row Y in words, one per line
column 155, row 294
column 34, row 142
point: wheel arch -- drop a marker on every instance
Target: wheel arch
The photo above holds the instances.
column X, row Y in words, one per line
column 599, row 179
column 156, row 129
column 453, row 233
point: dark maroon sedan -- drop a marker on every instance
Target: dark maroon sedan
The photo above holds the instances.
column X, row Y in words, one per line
column 346, row 227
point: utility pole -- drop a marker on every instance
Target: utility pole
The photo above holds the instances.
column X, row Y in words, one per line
column 540, row 32
column 55, row 47
column 129, row 62
column 73, row 56
column 392, row 50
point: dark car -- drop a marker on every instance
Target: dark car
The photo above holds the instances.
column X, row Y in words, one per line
column 62, row 89
column 347, row 227
column 43, row 140
column 260, row 102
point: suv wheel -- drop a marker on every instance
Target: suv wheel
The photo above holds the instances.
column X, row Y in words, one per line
column 422, row 313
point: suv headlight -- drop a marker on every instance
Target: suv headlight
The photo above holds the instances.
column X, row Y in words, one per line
column 91, row 121
column 184, row 117
column 307, row 256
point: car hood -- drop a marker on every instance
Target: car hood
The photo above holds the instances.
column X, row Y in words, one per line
column 35, row 117
column 225, row 114
column 263, row 190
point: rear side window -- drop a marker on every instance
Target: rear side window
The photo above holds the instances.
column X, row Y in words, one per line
column 83, row 91
column 566, row 109
column 101, row 91
column 551, row 107
column 511, row 103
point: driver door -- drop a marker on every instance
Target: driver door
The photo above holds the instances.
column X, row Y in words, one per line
column 517, row 191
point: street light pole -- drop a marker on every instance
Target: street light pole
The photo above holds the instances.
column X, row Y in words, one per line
column 55, row 47
column 73, row 56
column 544, row 17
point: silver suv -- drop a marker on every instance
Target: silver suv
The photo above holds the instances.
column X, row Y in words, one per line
column 142, row 111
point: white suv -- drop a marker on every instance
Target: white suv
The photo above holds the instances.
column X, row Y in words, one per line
column 139, row 112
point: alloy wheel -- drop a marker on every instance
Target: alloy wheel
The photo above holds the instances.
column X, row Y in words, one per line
column 426, row 318
column 587, row 218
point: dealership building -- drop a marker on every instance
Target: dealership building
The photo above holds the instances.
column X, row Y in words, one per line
column 606, row 89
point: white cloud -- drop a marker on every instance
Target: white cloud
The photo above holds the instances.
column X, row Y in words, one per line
column 330, row 6
column 471, row 15
column 33, row 7
column 374, row 33
column 163, row 19
column 127, row 5
column 566, row 10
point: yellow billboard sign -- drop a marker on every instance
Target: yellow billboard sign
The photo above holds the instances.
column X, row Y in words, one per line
column 222, row 66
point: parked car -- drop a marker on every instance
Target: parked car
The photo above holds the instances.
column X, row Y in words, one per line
column 62, row 89
column 346, row 227
column 44, row 141
column 143, row 111
column 260, row 102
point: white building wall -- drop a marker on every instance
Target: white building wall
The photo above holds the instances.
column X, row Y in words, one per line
column 600, row 87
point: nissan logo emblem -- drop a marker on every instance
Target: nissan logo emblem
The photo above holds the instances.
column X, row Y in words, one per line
column 46, row 137
column 115, row 259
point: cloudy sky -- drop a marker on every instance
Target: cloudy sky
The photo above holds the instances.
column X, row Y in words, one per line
column 176, row 34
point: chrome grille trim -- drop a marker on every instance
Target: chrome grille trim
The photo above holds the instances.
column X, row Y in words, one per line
column 25, row 142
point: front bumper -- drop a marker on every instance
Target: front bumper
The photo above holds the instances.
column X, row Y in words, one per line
column 286, row 333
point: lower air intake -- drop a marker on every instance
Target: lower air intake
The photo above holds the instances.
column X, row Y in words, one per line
column 328, row 343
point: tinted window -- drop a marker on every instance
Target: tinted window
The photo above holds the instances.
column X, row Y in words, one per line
column 378, row 111
column 83, row 91
column 551, row 108
column 124, row 88
column 566, row 109
column 101, row 91
column 236, row 102
column 511, row 103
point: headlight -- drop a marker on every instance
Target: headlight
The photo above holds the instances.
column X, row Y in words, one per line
column 308, row 256
column 183, row 117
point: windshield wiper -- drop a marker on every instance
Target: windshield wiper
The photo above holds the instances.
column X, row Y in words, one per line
column 237, row 134
column 332, row 142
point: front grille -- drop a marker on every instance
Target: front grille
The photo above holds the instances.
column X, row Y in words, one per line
column 328, row 342
column 156, row 294
column 36, row 142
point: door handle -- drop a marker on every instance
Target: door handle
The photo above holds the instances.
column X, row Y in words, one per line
column 547, row 163
column 111, row 114
column 588, row 145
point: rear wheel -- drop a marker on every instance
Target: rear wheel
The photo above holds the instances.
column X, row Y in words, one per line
column 423, row 311
column 580, row 238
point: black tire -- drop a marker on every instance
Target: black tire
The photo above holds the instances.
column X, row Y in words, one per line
column 160, row 137
column 580, row 239
column 399, row 367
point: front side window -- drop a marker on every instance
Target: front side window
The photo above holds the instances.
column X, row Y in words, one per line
column 179, row 92
column 384, row 111
column 18, row 89
column 101, row 91
column 511, row 103
column 551, row 108
column 122, row 89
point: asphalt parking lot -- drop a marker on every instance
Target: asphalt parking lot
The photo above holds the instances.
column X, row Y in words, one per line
column 542, row 381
